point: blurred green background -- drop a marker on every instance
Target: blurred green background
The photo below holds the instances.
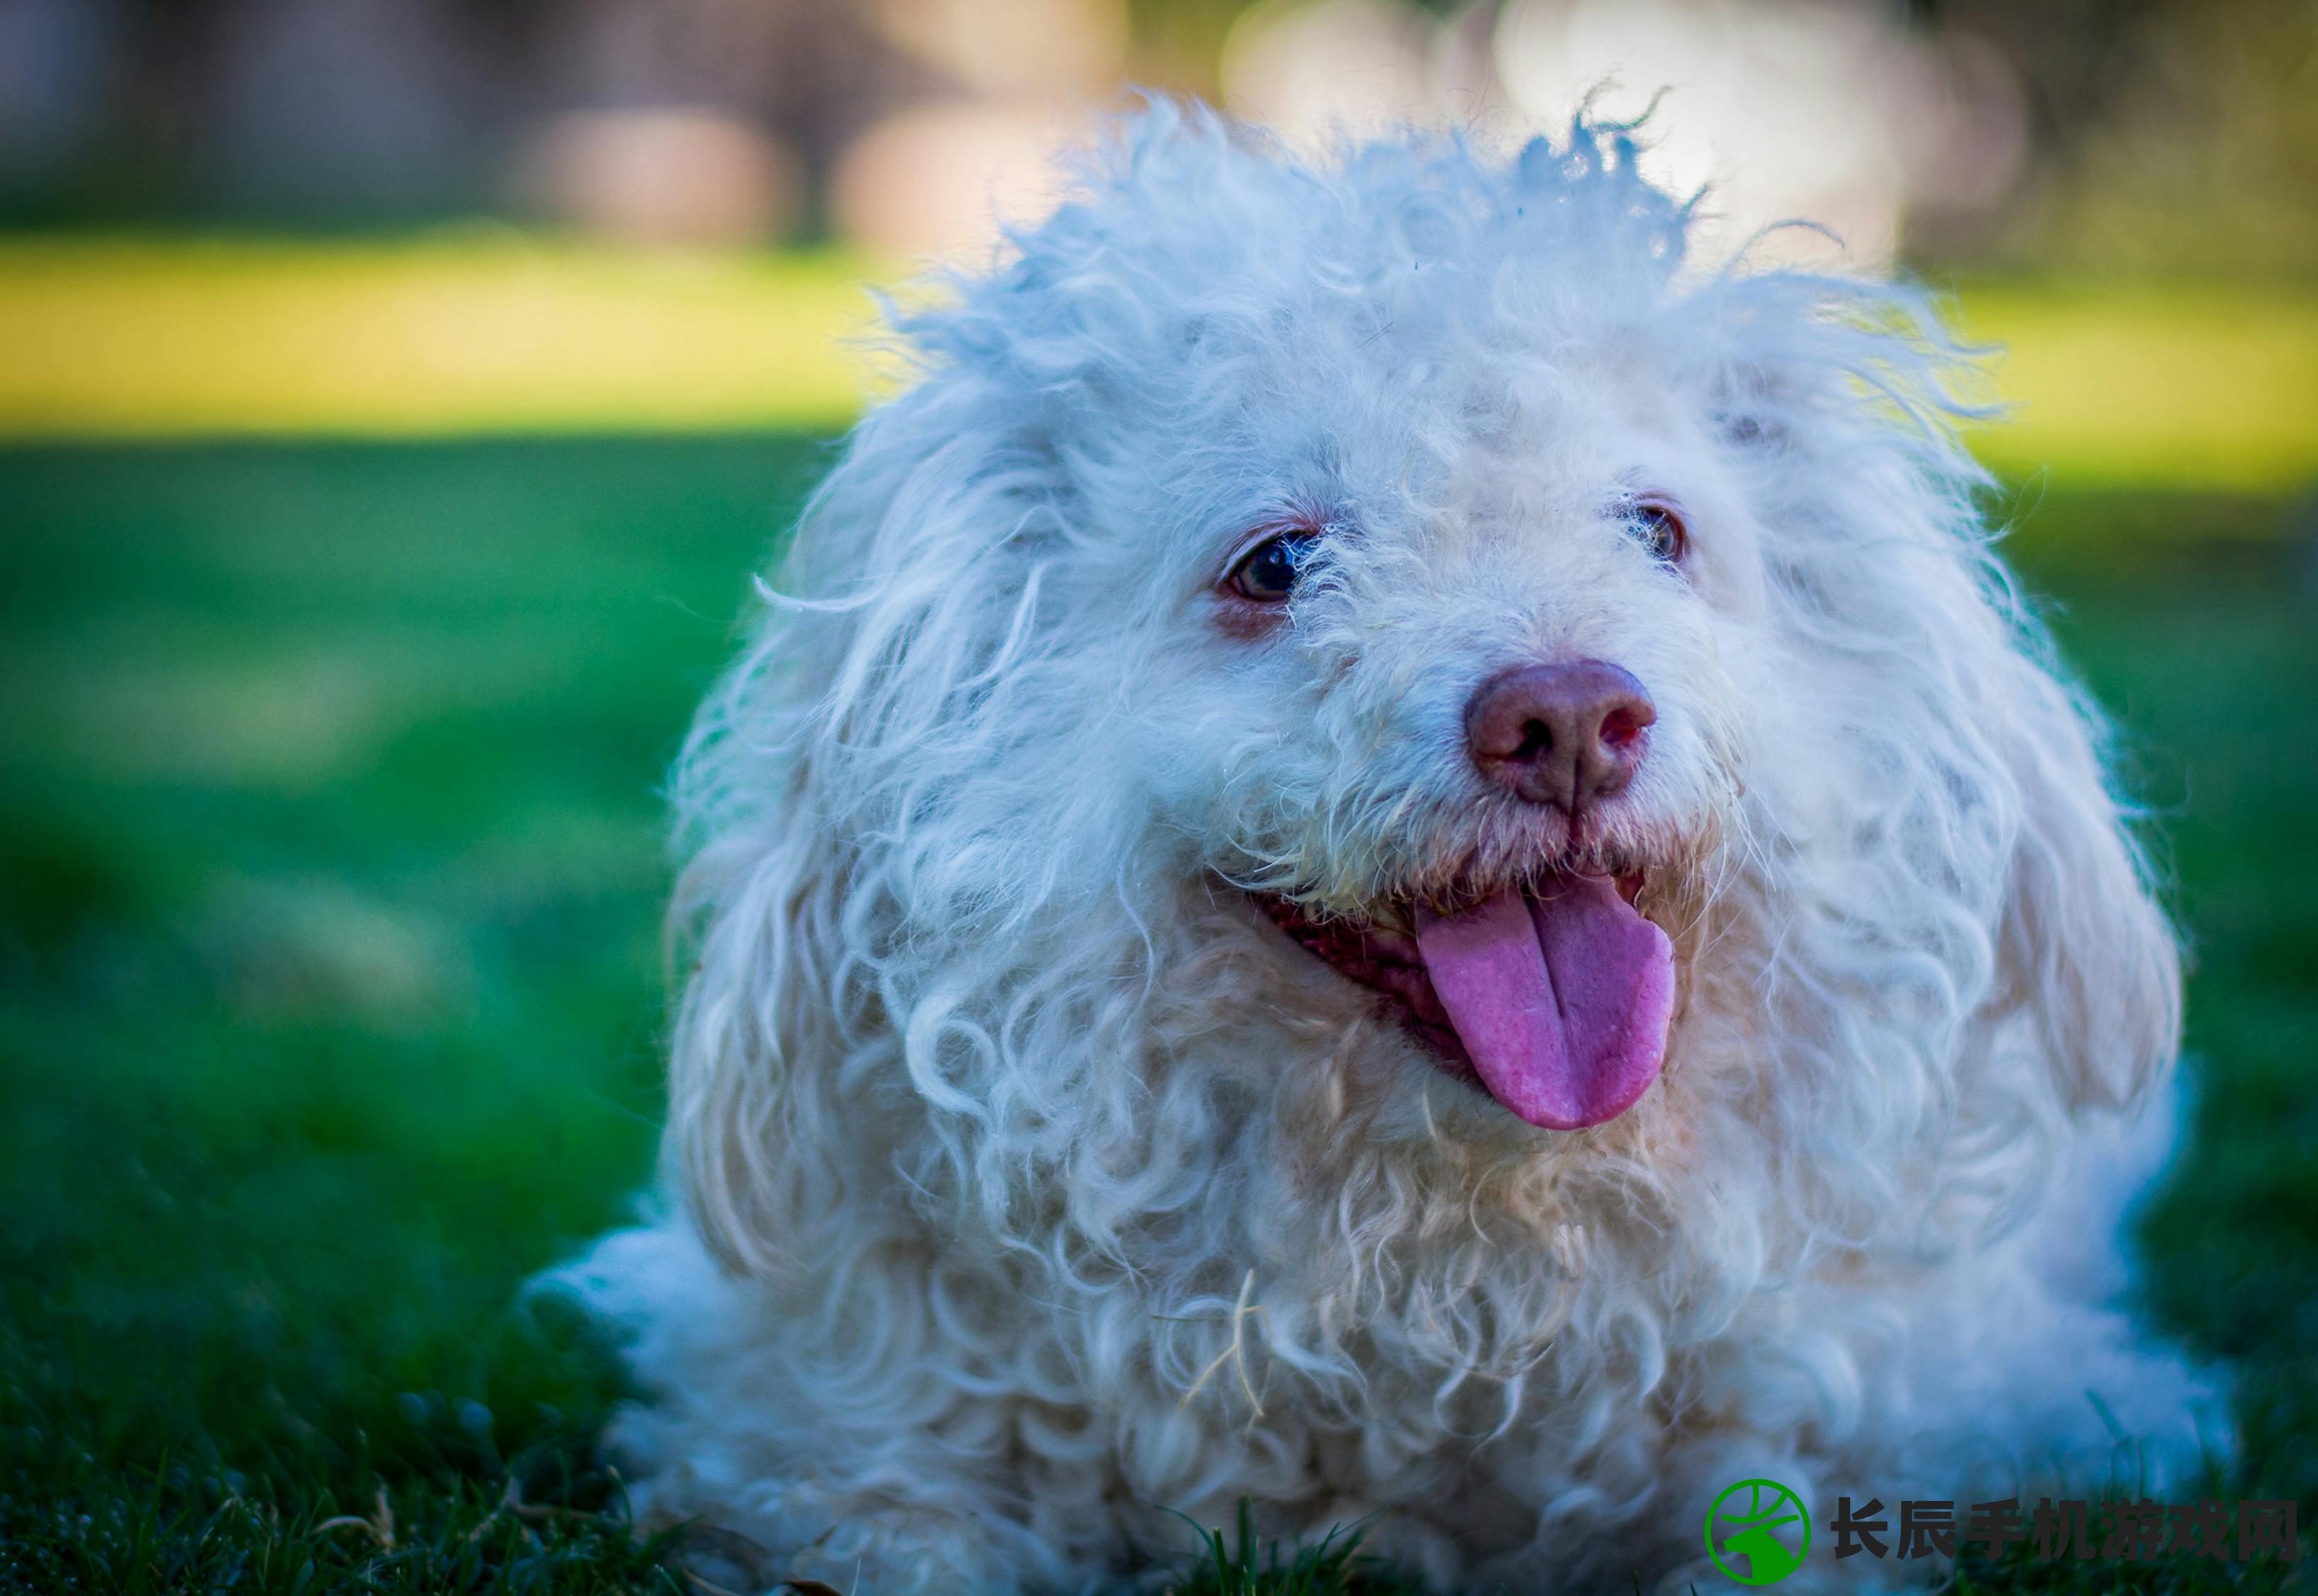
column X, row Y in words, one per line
column 394, row 399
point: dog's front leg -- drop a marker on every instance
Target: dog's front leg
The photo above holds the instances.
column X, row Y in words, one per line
column 879, row 1437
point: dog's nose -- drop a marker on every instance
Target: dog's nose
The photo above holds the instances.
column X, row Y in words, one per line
column 1568, row 735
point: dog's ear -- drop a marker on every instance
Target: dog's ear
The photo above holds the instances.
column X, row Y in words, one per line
column 809, row 791
column 757, row 929
column 743, row 1098
column 2084, row 951
column 1841, row 401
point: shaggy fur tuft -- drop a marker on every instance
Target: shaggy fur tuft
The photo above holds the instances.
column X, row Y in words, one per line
column 1032, row 1183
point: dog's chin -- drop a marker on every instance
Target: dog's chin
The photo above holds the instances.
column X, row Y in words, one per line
column 1384, row 951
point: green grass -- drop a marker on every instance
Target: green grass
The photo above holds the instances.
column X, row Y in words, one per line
column 329, row 991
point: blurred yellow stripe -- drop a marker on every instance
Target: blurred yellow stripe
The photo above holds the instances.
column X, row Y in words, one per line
column 2153, row 386
column 136, row 338
column 493, row 331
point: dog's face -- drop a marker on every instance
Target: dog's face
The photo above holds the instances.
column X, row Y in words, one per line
column 1407, row 606
column 1436, row 676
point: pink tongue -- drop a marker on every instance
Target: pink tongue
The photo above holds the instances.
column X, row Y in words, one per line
column 1562, row 1001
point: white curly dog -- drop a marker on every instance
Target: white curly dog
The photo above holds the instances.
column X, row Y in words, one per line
column 1383, row 853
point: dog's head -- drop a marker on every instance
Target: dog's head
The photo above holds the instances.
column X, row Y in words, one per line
column 1388, row 664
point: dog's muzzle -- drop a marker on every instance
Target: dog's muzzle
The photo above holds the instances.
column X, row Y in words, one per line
column 1552, row 993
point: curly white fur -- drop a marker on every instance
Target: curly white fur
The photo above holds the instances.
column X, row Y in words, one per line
column 1032, row 1183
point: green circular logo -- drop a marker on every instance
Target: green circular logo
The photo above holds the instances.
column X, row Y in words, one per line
column 1757, row 1531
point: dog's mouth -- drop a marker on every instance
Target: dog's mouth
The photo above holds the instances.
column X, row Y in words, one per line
column 1553, row 996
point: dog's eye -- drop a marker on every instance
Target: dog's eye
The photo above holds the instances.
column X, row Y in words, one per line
column 1658, row 526
column 1266, row 574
